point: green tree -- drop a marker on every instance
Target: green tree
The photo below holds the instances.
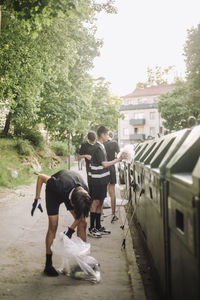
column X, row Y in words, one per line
column 175, row 108
column 156, row 76
column 105, row 107
column 192, row 53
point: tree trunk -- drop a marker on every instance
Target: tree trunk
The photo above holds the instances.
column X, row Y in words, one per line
column 7, row 124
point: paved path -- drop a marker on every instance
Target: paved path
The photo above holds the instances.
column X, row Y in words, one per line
column 22, row 252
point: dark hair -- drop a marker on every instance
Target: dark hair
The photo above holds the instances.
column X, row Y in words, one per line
column 102, row 129
column 91, row 136
column 111, row 134
column 81, row 201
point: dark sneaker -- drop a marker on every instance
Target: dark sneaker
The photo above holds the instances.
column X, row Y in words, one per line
column 50, row 271
column 114, row 218
column 94, row 233
column 103, row 231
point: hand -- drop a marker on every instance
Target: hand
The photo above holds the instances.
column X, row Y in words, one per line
column 124, row 155
column 88, row 156
column 69, row 232
column 36, row 204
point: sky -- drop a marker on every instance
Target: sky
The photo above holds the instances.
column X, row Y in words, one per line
column 144, row 33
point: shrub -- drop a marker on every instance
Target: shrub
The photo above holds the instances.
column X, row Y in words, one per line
column 31, row 134
column 24, row 147
column 59, row 148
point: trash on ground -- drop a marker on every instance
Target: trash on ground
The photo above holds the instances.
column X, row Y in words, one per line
column 75, row 259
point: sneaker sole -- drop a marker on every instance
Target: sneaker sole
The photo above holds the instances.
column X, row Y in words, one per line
column 95, row 236
column 105, row 233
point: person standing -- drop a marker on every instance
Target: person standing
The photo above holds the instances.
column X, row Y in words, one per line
column 66, row 187
column 99, row 178
column 86, row 151
column 112, row 148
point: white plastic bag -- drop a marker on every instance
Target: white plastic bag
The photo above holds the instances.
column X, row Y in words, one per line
column 129, row 150
column 75, row 259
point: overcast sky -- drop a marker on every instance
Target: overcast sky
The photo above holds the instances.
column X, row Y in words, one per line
column 144, row 33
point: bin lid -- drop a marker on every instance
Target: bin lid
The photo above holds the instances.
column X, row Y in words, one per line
column 142, row 149
column 147, row 157
column 168, row 148
column 185, row 159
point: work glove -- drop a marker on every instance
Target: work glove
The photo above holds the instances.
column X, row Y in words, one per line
column 69, row 232
column 36, row 204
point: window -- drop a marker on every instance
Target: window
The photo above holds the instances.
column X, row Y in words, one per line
column 152, row 115
column 135, row 130
column 138, row 116
column 142, row 100
column 152, row 131
column 125, row 132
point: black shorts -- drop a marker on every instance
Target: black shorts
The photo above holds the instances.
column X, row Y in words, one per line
column 53, row 199
column 113, row 178
column 98, row 192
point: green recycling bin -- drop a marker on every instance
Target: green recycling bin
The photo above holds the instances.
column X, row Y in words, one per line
column 156, row 232
column 138, row 180
column 183, row 198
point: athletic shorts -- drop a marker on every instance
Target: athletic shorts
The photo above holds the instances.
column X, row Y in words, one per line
column 53, row 199
column 98, row 192
column 113, row 178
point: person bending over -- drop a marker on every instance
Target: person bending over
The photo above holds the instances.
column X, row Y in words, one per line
column 69, row 188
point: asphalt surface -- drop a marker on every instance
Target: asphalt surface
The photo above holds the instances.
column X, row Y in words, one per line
column 22, row 255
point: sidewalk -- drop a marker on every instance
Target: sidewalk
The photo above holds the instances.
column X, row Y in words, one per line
column 22, row 245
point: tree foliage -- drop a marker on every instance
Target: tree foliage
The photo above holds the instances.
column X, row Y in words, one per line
column 156, row 76
column 47, row 48
column 192, row 53
column 174, row 107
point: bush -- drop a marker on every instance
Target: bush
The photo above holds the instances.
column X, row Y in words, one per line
column 59, row 148
column 31, row 134
column 24, row 147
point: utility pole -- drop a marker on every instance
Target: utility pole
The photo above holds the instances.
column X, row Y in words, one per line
column 69, row 151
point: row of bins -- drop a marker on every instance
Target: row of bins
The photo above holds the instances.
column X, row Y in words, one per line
column 165, row 176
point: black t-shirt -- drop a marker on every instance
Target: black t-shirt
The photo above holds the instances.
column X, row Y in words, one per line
column 87, row 148
column 65, row 181
column 99, row 155
column 111, row 147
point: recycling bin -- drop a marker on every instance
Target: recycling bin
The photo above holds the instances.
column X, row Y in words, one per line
column 156, row 225
column 183, row 209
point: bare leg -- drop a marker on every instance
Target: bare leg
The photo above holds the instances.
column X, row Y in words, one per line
column 81, row 226
column 111, row 191
column 53, row 224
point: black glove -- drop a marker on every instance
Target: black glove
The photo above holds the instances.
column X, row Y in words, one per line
column 69, row 232
column 36, row 204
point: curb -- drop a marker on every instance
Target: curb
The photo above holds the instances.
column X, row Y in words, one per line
column 133, row 271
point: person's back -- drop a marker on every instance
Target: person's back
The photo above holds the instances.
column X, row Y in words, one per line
column 87, row 149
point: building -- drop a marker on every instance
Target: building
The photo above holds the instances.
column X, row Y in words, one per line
column 141, row 117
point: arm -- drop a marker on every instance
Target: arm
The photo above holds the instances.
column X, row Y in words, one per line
column 107, row 164
column 84, row 156
column 42, row 178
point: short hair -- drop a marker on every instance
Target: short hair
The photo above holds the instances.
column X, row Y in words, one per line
column 91, row 136
column 110, row 133
column 81, row 201
column 102, row 130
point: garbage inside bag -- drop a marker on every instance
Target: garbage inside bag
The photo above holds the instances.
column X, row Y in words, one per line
column 75, row 259
column 129, row 150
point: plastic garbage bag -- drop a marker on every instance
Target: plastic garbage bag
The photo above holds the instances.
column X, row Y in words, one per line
column 75, row 259
column 129, row 150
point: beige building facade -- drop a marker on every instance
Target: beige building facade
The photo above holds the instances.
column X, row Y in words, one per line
column 141, row 117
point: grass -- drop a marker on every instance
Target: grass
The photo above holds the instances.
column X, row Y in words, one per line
column 11, row 161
